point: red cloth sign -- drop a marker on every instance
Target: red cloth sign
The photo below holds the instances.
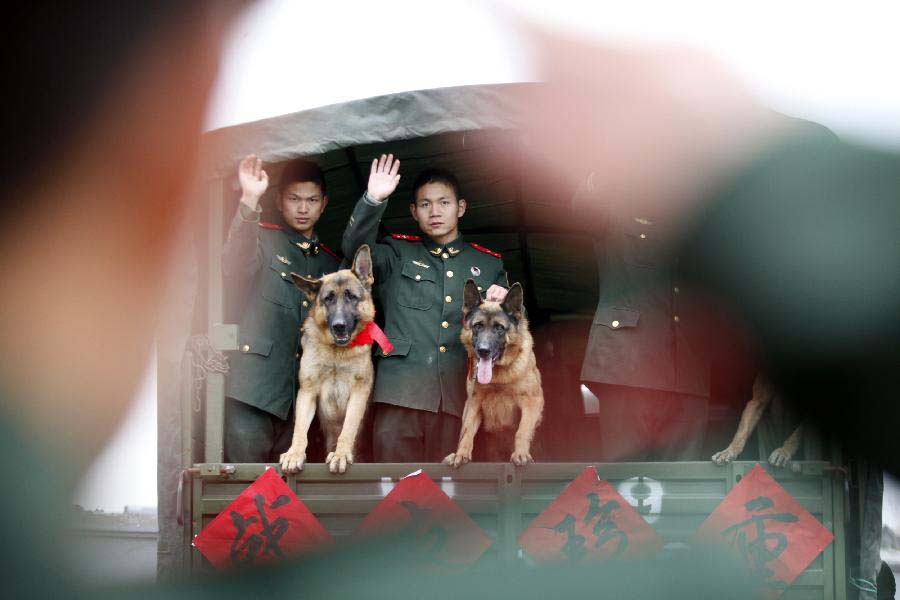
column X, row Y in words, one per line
column 589, row 521
column 265, row 523
column 767, row 529
column 428, row 527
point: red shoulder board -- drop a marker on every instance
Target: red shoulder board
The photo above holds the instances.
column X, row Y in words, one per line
column 329, row 251
column 408, row 238
column 485, row 250
column 270, row 226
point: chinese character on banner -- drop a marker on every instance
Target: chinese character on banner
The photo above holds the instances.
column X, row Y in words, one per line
column 589, row 521
column 425, row 526
column 768, row 529
column 266, row 522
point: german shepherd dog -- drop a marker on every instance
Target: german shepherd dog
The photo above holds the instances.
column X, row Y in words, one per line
column 505, row 385
column 335, row 376
column 763, row 394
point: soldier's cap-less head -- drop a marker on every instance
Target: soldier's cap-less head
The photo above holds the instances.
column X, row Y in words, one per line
column 302, row 198
column 436, row 205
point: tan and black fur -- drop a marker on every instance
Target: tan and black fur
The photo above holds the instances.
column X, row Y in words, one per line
column 763, row 394
column 504, row 387
column 335, row 378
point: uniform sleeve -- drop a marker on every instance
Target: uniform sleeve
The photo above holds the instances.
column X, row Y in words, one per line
column 242, row 256
column 362, row 228
column 502, row 278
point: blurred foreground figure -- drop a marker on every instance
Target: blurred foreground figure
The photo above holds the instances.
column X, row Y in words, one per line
column 101, row 129
column 114, row 100
column 775, row 219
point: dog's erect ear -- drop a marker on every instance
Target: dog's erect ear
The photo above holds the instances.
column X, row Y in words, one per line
column 310, row 287
column 362, row 265
column 471, row 296
column 512, row 304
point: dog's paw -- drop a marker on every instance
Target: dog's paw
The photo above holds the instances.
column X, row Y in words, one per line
column 458, row 458
column 338, row 461
column 780, row 457
column 520, row 458
column 292, row 460
column 725, row 456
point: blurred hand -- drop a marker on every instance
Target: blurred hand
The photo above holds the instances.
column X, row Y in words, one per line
column 383, row 177
column 254, row 181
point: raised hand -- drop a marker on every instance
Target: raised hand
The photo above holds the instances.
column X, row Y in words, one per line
column 383, row 177
column 254, row 181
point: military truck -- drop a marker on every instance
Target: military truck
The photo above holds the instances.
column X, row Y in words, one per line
column 476, row 132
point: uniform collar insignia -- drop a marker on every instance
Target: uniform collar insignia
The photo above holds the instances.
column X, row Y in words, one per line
column 437, row 249
column 309, row 247
column 453, row 251
column 282, row 259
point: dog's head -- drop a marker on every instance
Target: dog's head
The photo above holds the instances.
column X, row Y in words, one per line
column 490, row 328
column 342, row 301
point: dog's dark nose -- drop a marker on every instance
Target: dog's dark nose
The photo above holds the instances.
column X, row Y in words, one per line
column 339, row 327
column 483, row 351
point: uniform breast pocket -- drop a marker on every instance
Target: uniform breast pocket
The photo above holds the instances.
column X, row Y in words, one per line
column 277, row 286
column 417, row 287
column 642, row 246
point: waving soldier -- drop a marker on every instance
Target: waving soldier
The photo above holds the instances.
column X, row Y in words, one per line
column 420, row 387
column 262, row 382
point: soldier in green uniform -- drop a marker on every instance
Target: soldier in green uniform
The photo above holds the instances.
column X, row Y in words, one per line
column 646, row 360
column 420, row 387
column 262, row 381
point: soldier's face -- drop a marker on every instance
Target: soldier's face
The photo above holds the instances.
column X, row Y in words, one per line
column 301, row 204
column 437, row 211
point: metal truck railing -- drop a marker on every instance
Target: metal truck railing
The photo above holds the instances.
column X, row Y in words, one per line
column 674, row 498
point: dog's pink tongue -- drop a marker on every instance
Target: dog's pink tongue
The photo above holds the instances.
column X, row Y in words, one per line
column 485, row 370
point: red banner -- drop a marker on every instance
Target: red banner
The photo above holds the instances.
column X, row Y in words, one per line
column 767, row 529
column 589, row 521
column 266, row 522
column 426, row 527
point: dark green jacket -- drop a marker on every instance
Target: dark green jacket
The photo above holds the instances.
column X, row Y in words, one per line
column 259, row 257
column 420, row 284
column 650, row 329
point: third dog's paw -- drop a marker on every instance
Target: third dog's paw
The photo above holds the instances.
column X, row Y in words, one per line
column 338, row 461
column 780, row 457
column 292, row 460
column 725, row 456
column 520, row 458
column 458, row 458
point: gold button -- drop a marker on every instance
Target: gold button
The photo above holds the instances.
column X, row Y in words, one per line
column 480, row 288
column 643, row 236
column 305, row 304
column 418, row 277
column 297, row 356
column 445, row 255
column 445, row 324
column 675, row 318
column 675, row 289
column 614, row 324
column 245, row 348
column 283, row 274
column 443, row 348
column 449, row 273
column 310, row 276
column 448, row 299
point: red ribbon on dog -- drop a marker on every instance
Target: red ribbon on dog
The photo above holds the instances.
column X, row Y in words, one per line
column 372, row 333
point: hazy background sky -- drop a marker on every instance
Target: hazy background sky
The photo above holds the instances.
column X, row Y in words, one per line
column 833, row 62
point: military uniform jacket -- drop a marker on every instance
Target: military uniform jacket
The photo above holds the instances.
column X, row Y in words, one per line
column 649, row 329
column 261, row 256
column 420, row 284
